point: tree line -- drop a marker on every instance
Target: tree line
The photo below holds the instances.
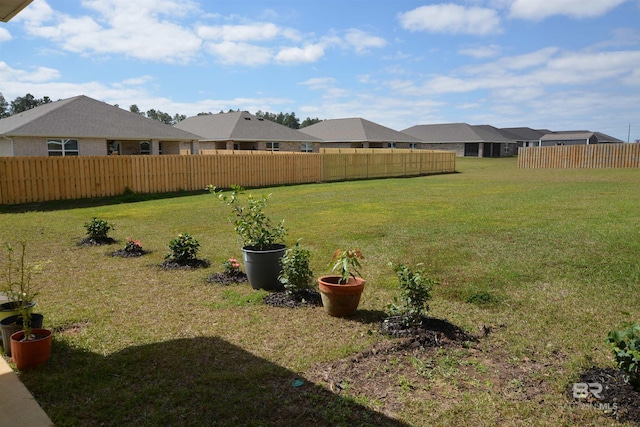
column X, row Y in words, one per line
column 27, row 102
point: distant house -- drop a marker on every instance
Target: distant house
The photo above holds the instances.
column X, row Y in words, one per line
column 577, row 137
column 359, row 133
column 524, row 136
column 82, row 126
column 464, row 139
column 244, row 131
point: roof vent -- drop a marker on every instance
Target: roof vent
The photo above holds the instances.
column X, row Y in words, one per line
column 247, row 118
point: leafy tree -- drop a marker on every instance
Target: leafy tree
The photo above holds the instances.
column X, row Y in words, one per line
column 160, row 116
column 27, row 102
column 4, row 107
column 309, row 121
column 290, row 120
column 178, row 118
column 135, row 109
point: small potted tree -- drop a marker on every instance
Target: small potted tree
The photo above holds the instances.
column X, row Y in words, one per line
column 30, row 347
column 262, row 239
column 341, row 292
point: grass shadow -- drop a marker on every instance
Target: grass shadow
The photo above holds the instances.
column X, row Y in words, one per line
column 187, row 382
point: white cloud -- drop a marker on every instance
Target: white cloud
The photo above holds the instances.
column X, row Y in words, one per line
column 242, row 33
column 319, row 83
column 362, row 41
column 137, row 29
column 481, row 52
column 451, row 18
column 5, row 35
column 240, row 53
column 308, row 53
column 540, row 9
column 37, row 75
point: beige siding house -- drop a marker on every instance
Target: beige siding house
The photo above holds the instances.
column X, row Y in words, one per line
column 82, row 126
column 244, row 131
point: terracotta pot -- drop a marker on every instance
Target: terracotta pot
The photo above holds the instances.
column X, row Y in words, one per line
column 10, row 325
column 33, row 353
column 340, row 300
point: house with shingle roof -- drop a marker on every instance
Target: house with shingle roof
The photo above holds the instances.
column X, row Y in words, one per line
column 82, row 126
column 244, row 131
column 524, row 136
column 577, row 137
column 464, row 139
column 359, row 133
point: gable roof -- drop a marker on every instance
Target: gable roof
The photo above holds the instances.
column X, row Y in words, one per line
column 240, row 126
column 523, row 133
column 84, row 117
column 455, row 132
column 355, row 130
column 578, row 135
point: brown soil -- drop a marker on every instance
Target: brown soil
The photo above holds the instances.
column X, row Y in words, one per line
column 293, row 299
column 128, row 254
column 190, row 264
column 96, row 242
column 617, row 399
column 227, row 279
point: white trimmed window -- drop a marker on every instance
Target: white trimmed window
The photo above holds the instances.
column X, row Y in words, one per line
column 62, row 147
column 392, row 145
column 273, row 146
column 306, row 147
column 413, row 145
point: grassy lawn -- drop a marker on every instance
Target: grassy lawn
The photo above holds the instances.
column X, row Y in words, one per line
column 545, row 260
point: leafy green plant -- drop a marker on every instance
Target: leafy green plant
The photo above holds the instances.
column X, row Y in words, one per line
column 18, row 286
column 98, row 229
column 625, row 345
column 253, row 226
column 415, row 292
column 183, row 248
column 296, row 273
column 346, row 262
column 133, row 246
column 231, row 267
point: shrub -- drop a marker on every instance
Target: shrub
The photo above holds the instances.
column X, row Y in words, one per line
column 415, row 292
column 625, row 345
column 98, row 229
column 133, row 246
column 346, row 262
column 296, row 274
column 231, row 267
column 183, row 248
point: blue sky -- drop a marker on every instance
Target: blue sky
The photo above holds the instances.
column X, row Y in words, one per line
column 556, row 64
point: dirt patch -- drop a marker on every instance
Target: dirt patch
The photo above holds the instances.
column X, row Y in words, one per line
column 617, row 398
column 436, row 362
column 128, row 254
column 301, row 298
column 88, row 241
column 227, row 279
column 190, row 264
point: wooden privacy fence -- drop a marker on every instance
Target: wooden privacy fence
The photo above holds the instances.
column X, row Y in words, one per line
column 38, row 179
column 580, row 156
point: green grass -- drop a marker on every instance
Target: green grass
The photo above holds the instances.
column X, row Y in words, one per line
column 547, row 258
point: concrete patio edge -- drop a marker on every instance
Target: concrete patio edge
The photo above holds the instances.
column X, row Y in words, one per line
column 17, row 405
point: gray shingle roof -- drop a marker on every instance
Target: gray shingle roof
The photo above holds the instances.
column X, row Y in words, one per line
column 579, row 134
column 356, row 130
column 84, row 117
column 523, row 133
column 455, row 132
column 240, row 126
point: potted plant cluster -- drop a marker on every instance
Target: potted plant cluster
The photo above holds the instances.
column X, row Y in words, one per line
column 262, row 239
column 341, row 292
column 29, row 345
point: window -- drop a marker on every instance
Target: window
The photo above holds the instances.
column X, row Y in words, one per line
column 306, row 147
column 413, row 145
column 145, row 147
column 273, row 146
column 392, row 145
column 62, row 147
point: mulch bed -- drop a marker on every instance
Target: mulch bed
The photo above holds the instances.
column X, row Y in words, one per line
column 190, row 264
column 431, row 332
column 617, row 399
column 227, row 279
column 96, row 242
column 128, row 254
column 301, row 298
